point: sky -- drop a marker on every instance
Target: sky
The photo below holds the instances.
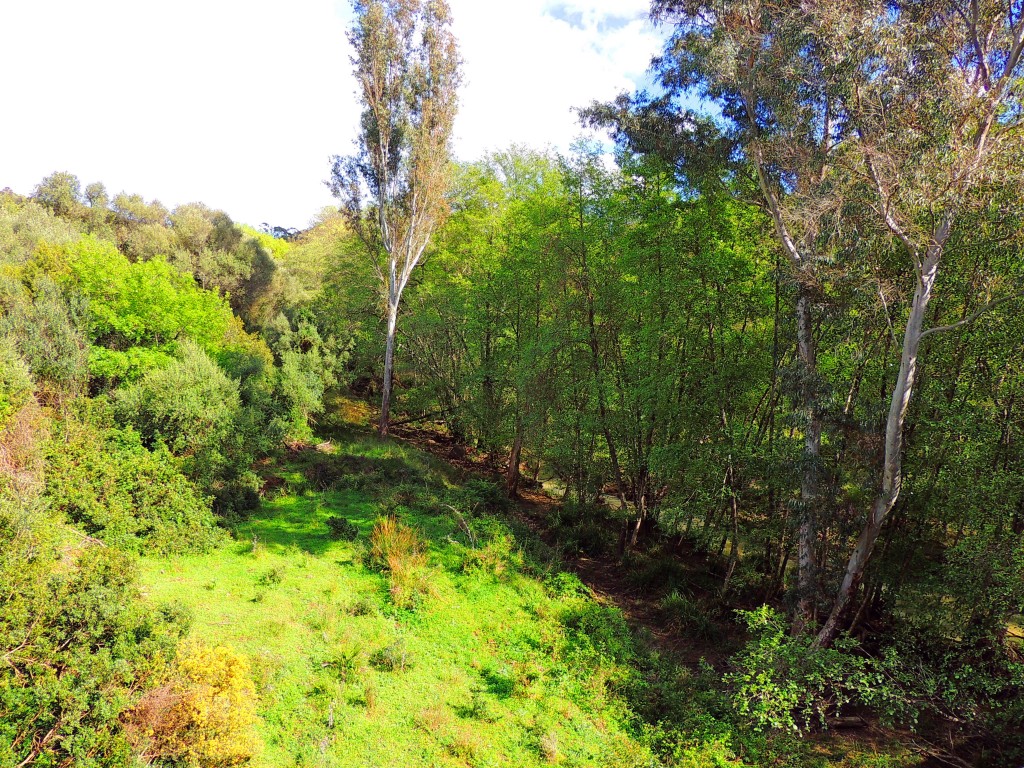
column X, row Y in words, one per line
column 240, row 103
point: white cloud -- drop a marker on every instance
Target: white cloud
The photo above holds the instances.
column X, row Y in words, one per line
column 240, row 103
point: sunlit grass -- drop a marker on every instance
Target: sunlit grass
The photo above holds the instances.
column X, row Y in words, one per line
column 490, row 667
column 471, row 677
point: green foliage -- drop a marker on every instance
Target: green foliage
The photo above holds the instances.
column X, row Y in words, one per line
column 308, row 366
column 497, row 555
column 341, row 528
column 786, row 682
column 15, row 382
column 107, row 484
column 61, row 192
column 144, row 304
column 77, row 645
column 48, row 329
column 689, row 616
column 194, row 409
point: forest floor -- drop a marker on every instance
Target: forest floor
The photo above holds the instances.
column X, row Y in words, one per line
column 505, row 659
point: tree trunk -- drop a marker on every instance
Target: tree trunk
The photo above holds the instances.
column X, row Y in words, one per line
column 389, row 368
column 512, row 477
column 892, row 463
column 809, row 481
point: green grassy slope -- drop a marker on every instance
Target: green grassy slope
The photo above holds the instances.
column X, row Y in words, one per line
column 492, row 668
column 504, row 661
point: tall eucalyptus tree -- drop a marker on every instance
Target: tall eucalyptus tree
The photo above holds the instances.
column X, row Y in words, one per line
column 393, row 190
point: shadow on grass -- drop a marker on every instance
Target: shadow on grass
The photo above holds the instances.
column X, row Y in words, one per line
column 300, row 522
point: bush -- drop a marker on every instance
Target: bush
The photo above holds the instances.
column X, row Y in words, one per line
column 193, row 408
column 495, row 556
column 482, row 495
column 565, row 585
column 190, row 405
column 77, row 643
column 206, row 715
column 685, row 614
column 392, row 657
column 15, row 382
column 47, row 329
column 787, row 683
column 105, row 482
column 342, row 529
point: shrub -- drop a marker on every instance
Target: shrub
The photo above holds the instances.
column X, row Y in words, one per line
column 206, row 715
column 564, row 584
column 342, row 529
column 77, row 645
column 392, row 657
column 105, row 482
column 47, row 329
column 15, row 382
column 190, row 406
column 495, row 557
column 193, row 408
column 479, row 494
column 657, row 573
column 787, row 683
column 685, row 614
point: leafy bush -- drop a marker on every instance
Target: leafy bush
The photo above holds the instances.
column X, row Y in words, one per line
column 480, row 495
column 392, row 657
column 564, row 584
column 47, row 329
column 77, row 645
column 193, row 408
column 190, row 406
column 342, row 529
column 656, row 573
column 15, row 382
column 496, row 556
column 685, row 614
column 601, row 630
column 787, row 683
column 108, row 484
column 206, row 716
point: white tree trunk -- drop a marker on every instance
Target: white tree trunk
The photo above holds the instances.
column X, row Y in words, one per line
column 389, row 368
column 892, row 463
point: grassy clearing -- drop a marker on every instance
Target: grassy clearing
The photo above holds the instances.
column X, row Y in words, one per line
column 479, row 673
column 498, row 659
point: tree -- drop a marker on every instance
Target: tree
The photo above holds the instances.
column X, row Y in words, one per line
column 393, row 190
column 755, row 61
column 934, row 101
column 61, row 192
column 874, row 133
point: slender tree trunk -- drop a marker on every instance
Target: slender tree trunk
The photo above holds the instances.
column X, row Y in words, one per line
column 389, row 369
column 512, row 477
column 892, row 463
column 809, row 480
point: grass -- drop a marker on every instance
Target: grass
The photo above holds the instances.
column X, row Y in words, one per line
column 472, row 676
column 503, row 661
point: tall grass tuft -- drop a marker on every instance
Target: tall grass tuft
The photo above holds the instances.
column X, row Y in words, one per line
column 397, row 550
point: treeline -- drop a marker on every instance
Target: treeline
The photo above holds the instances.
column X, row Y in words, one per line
column 629, row 337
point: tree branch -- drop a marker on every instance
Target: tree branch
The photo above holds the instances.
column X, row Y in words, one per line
column 972, row 317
